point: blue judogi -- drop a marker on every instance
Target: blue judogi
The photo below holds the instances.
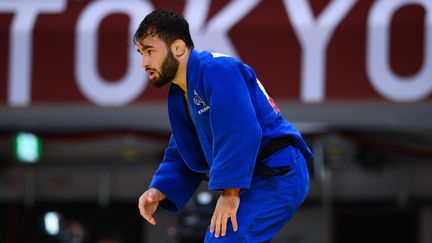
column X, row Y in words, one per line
column 227, row 120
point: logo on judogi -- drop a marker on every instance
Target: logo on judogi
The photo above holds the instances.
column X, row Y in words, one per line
column 200, row 102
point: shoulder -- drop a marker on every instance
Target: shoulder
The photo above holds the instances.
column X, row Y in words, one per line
column 216, row 63
column 217, row 70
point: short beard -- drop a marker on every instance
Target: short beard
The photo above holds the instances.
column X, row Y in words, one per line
column 168, row 71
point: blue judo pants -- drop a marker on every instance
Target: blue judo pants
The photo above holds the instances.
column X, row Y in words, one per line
column 270, row 202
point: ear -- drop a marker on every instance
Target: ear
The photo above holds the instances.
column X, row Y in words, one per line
column 178, row 47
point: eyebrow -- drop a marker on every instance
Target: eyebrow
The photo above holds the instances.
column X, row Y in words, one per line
column 142, row 48
column 145, row 47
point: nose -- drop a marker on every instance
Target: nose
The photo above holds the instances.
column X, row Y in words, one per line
column 145, row 61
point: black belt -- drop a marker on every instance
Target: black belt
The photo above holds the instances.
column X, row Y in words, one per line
column 275, row 145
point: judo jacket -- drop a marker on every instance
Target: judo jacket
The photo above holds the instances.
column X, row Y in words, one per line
column 227, row 120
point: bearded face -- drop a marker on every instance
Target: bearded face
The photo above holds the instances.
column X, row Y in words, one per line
column 167, row 71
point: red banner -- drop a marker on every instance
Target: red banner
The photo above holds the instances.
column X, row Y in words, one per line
column 60, row 52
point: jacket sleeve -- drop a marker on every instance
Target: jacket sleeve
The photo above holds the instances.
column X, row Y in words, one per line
column 235, row 128
column 174, row 179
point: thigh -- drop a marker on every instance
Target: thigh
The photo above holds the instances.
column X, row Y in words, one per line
column 267, row 206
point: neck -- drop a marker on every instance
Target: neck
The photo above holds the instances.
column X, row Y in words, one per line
column 180, row 78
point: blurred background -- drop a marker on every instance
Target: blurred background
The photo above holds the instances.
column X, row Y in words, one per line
column 82, row 131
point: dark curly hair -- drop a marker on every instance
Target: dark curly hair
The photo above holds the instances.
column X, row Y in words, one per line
column 167, row 24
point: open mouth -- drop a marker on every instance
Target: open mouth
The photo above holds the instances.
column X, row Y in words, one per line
column 151, row 73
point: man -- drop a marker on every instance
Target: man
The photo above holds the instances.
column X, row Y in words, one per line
column 224, row 127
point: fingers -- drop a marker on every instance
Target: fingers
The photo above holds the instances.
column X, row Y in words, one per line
column 147, row 215
column 145, row 204
column 224, row 225
column 234, row 223
column 213, row 223
column 141, row 205
column 151, row 220
column 218, row 224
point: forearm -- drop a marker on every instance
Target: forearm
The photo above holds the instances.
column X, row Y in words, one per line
column 231, row 191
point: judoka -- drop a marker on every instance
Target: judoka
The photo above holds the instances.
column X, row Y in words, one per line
column 226, row 129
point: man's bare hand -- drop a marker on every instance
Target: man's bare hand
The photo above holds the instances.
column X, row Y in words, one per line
column 226, row 207
column 148, row 204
